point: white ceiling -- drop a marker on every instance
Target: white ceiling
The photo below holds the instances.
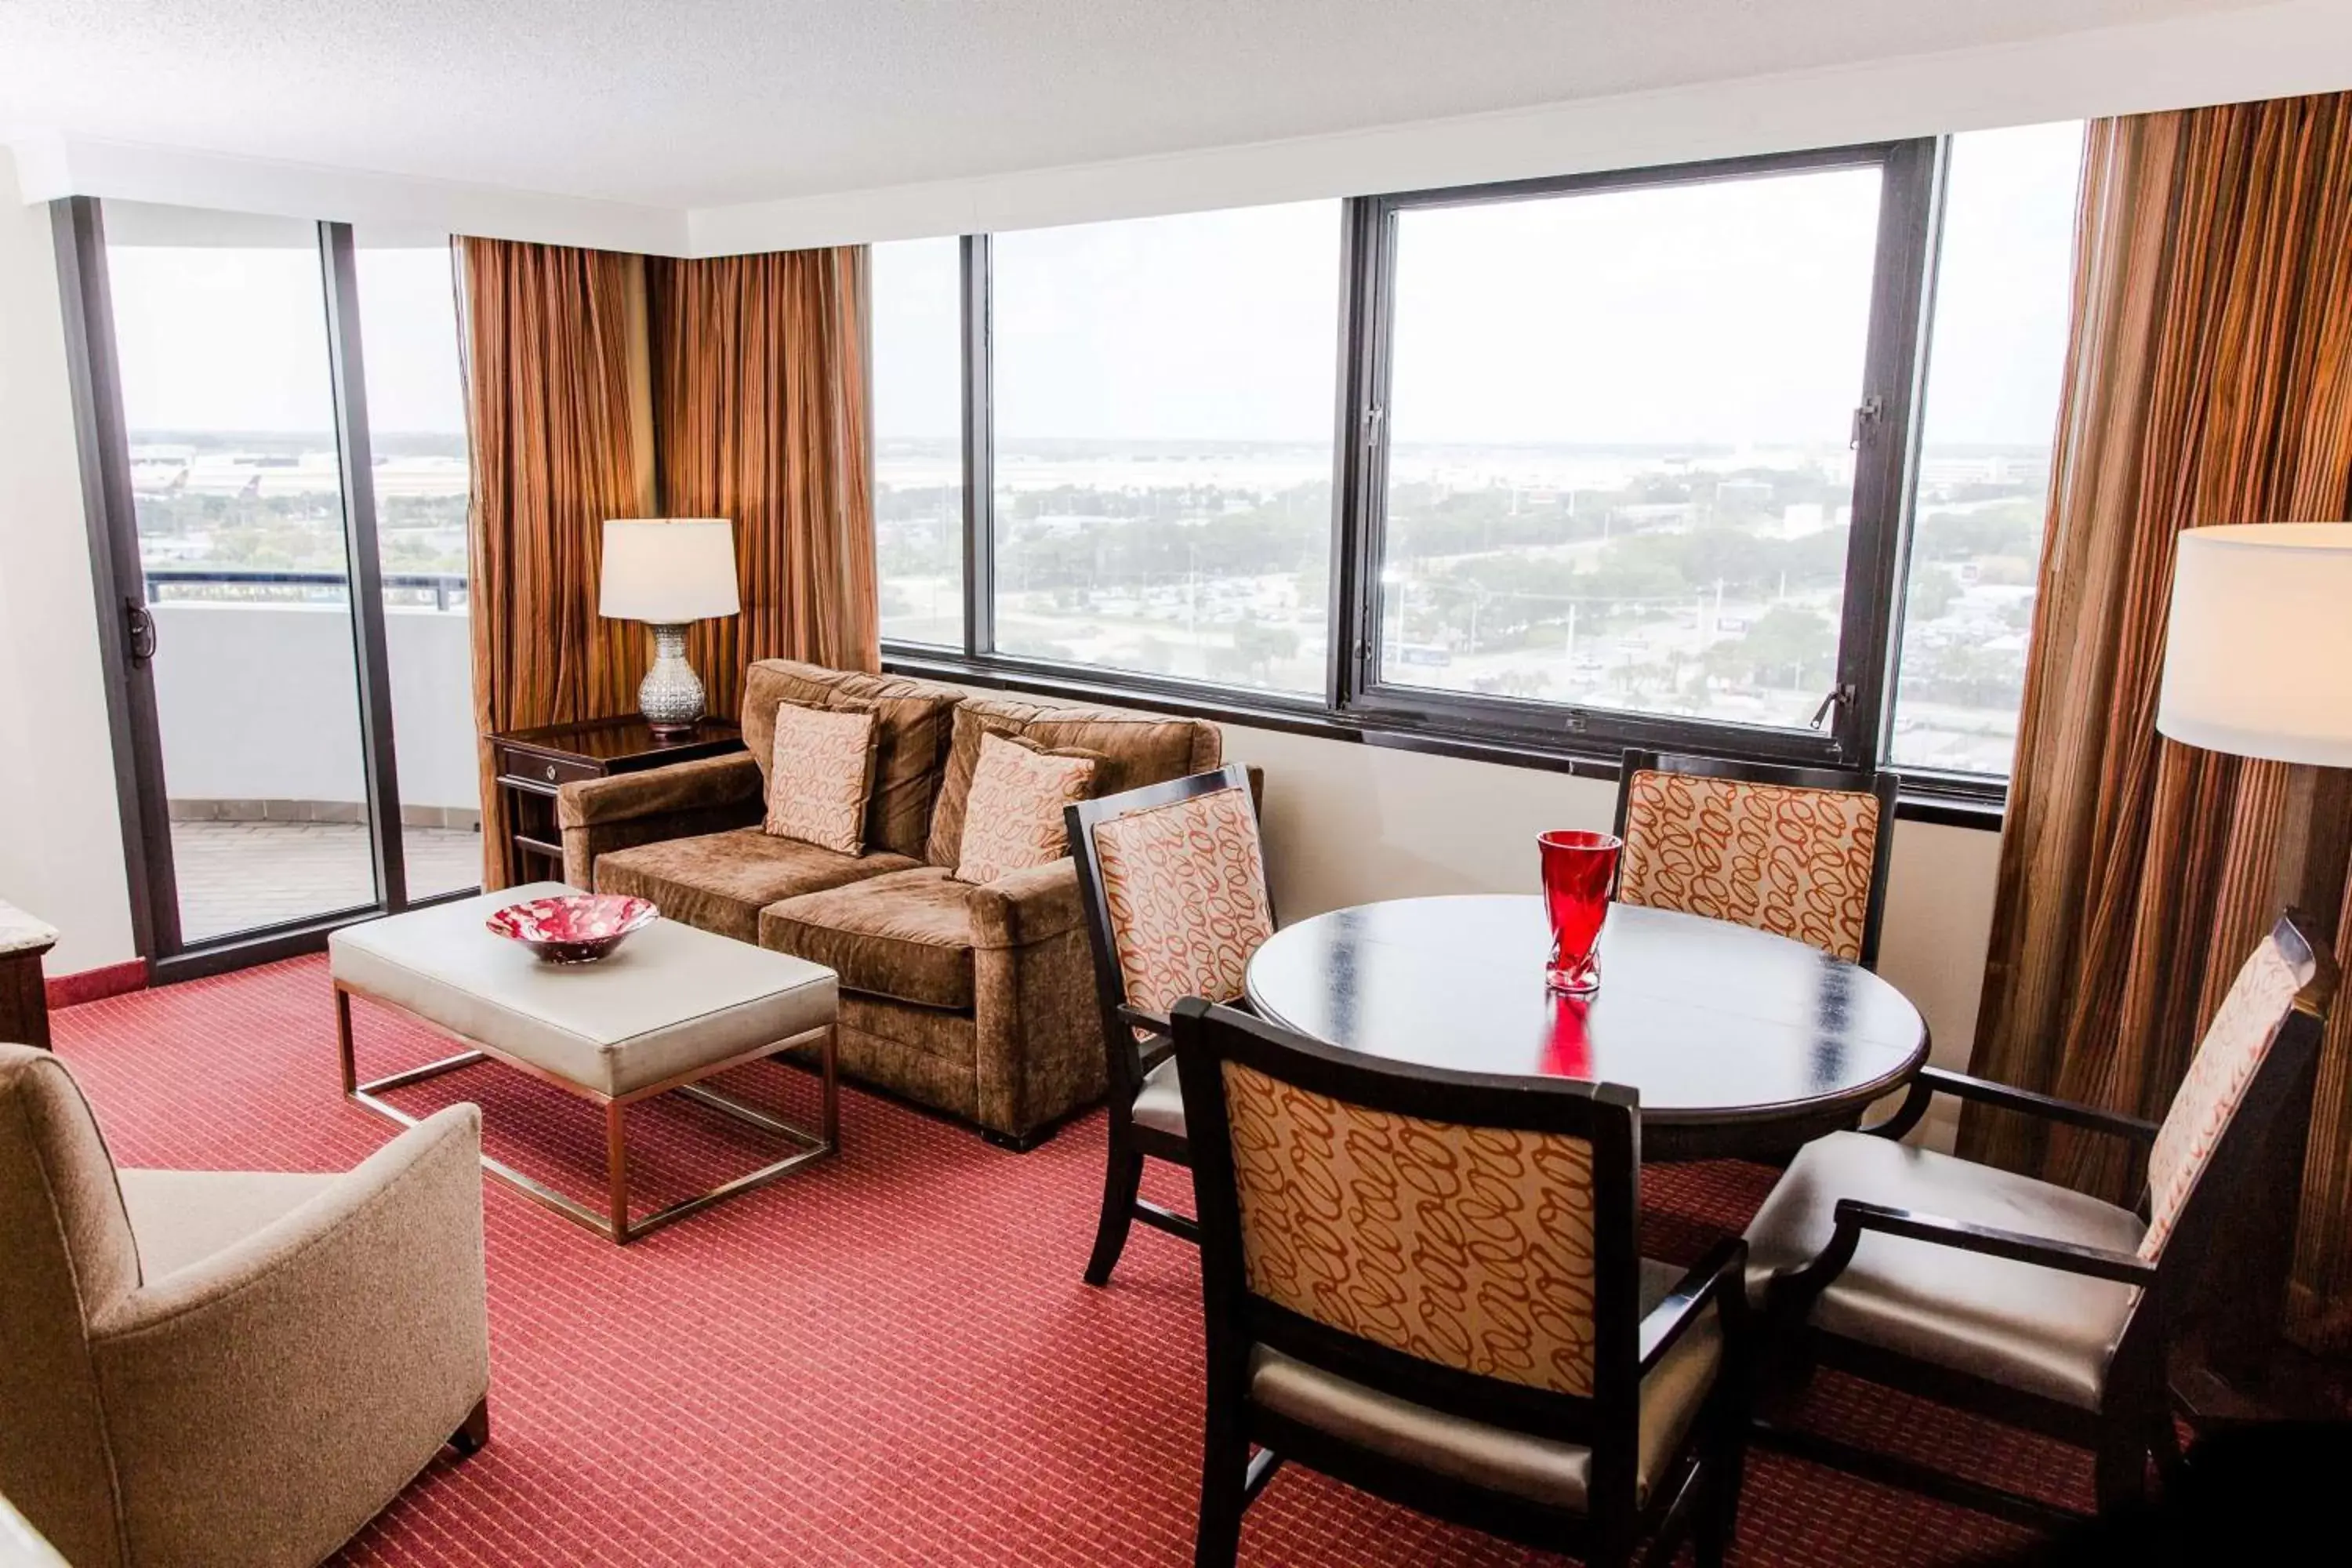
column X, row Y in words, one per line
column 711, row 102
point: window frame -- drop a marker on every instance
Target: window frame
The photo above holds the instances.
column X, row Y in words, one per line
column 1355, row 704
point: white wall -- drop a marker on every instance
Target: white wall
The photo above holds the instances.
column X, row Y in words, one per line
column 60, row 838
column 259, row 702
column 1348, row 824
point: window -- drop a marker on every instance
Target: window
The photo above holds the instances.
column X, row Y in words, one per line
column 1162, row 422
column 1996, row 356
column 416, row 436
column 1643, row 458
column 918, row 440
column 1618, row 469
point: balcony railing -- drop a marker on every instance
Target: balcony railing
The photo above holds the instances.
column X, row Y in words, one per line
column 261, row 584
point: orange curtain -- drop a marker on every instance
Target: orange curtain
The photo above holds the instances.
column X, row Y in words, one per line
column 2209, row 381
column 760, row 385
column 556, row 412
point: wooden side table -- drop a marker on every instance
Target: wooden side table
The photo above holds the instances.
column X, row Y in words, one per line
column 533, row 765
column 24, row 992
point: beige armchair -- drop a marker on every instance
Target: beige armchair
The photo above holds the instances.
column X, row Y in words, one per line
column 225, row 1368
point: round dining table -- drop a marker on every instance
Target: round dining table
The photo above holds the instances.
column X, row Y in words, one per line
column 1737, row 1041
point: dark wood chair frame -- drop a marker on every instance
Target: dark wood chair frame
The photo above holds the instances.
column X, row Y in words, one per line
column 1128, row 1060
column 2133, row 1424
column 1698, row 1492
column 1857, row 781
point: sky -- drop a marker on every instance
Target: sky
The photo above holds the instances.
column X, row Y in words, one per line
column 1724, row 313
column 233, row 338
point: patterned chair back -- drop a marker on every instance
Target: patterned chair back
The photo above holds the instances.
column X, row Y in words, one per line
column 1477, row 1231
column 1798, row 852
column 2276, row 1007
column 1182, row 876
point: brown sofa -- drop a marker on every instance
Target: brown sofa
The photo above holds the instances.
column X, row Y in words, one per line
column 976, row 1000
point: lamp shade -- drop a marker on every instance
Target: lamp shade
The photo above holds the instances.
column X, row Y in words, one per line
column 2258, row 657
column 668, row 569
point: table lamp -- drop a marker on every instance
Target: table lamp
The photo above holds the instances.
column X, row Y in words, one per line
column 2258, row 663
column 667, row 572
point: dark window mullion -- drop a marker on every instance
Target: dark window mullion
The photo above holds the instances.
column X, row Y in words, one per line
column 978, row 450
column 339, row 271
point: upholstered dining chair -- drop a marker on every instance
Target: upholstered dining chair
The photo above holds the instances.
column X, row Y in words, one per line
column 2018, row 1299
column 1799, row 852
column 205, row 1369
column 1173, row 880
column 1428, row 1284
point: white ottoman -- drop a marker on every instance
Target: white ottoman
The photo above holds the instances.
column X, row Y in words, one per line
column 671, row 1006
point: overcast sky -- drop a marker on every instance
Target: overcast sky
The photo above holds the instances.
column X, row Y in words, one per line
column 1723, row 313
column 219, row 338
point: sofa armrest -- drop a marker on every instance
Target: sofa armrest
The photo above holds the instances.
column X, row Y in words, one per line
column 266, row 1400
column 710, row 795
column 704, row 782
column 1034, row 905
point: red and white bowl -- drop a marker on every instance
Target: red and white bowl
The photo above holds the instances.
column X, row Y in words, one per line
column 575, row 928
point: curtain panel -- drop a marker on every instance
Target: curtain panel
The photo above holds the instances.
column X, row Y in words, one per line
column 760, row 395
column 559, row 419
column 2209, row 381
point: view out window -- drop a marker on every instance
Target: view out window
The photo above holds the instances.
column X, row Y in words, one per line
column 416, row 436
column 1996, row 352
column 917, row 440
column 1620, row 471
column 1163, row 397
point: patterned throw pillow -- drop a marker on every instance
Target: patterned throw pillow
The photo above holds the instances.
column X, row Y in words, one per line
column 1012, row 818
column 821, row 776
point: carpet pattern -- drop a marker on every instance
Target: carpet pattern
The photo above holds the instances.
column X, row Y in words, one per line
column 886, row 1358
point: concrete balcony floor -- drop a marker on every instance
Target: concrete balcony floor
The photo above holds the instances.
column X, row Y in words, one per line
column 237, row 876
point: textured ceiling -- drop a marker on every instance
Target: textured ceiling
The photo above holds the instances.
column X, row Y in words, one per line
column 710, row 102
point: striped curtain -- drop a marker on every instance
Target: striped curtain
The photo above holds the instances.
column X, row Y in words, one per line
column 559, row 425
column 2209, row 381
column 760, row 390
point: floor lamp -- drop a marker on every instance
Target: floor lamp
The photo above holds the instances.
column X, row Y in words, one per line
column 2258, row 663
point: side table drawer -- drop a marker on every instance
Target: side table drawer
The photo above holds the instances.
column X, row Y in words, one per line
column 542, row 774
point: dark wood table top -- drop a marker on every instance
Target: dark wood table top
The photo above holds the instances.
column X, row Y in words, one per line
column 618, row 742
column 1738, row 1042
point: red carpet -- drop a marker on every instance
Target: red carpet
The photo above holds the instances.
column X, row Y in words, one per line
column 886, row 1359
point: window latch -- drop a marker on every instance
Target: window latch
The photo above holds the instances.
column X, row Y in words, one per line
column 1372, row 425
column 139, row 630
column 1840, row 695
column 1869, row 412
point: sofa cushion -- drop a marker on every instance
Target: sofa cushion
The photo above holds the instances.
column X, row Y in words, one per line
column 821, row 775
column 910, row 740
column 720, row 881
column 907, row 935
column 1018, row 792
column 1136, row 749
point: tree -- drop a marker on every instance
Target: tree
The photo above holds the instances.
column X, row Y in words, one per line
column 1934, row 591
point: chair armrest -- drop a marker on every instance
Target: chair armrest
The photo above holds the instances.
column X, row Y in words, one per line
column 1932, row 1081
column 266, row 1400
column 701, row 784
column 1853, row 1217
column 1718, row 1277
column 1022, row 907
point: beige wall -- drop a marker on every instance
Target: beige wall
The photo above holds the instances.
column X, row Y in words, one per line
column 1347, row 824
column 60, row 840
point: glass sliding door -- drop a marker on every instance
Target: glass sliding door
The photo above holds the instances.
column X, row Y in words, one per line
column 219, row 328
column 417, row 439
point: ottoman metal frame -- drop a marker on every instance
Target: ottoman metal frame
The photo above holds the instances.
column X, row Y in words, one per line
column 615, row 1223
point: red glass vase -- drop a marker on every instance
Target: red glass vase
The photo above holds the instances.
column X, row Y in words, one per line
column 1580, row 870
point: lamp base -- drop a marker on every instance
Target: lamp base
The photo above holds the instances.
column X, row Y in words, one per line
column 671, row 696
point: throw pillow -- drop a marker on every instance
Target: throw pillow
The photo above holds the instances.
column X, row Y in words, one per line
column 821, row 776
column 1012, row 818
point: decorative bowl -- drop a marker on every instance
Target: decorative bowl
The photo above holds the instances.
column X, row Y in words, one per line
column 576, row 928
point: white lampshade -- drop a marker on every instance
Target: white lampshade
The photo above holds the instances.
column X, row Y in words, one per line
column 2258, row 659
column 668, row 569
